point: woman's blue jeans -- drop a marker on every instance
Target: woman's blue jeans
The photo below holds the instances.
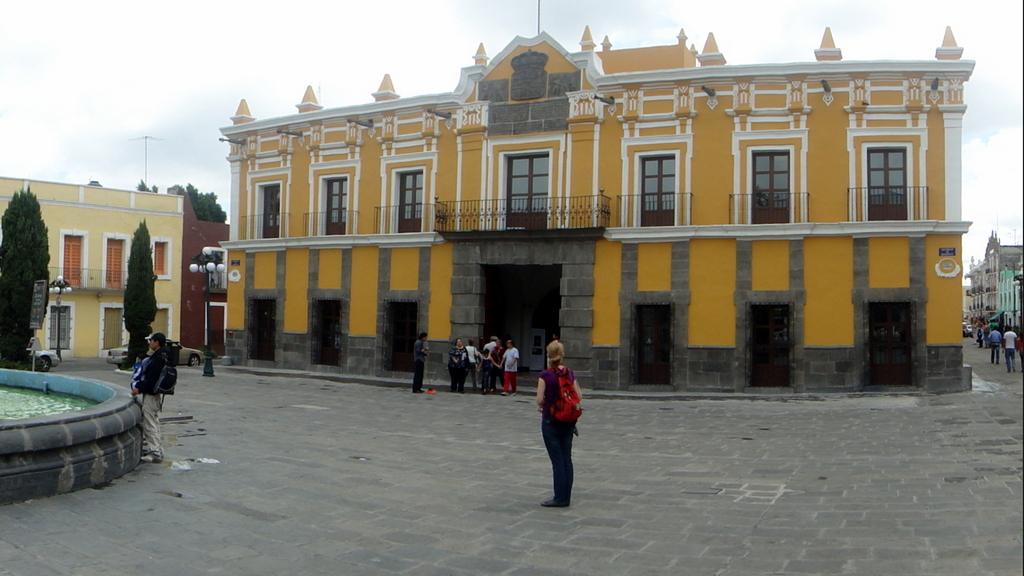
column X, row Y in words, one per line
column 558, row 441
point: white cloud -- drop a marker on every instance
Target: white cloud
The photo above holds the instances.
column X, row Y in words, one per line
column 79, row 80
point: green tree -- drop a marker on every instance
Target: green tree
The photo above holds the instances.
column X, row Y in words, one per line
column 24, row 258
column 139, row 296
column 141, row 187
column 205, row 204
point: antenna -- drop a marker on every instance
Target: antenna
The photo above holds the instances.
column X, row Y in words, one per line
column 538, row 17
column 145, row 172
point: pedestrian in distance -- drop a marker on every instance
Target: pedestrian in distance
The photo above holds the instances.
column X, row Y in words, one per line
column 487, row 365
column 458, row 366
column 496, row 372
column 995, row 341
column 419, row 355
column 510, row 364
column 152, row 403
column 1009, row 347
column 475, row 359
column 557, row 434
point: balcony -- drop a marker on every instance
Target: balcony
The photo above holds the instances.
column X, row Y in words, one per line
column 534, row 213
column 768, row 208
column 404, row 218
column 655, row 209
column 90, row 278
column 888, row 203
column 262, row 225
column 330, row 223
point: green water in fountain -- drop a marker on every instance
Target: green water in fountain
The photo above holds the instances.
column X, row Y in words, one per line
column 24, row 403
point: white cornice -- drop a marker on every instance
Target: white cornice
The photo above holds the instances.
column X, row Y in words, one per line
column 786, row 231
column 412, row 240
column 813, row 70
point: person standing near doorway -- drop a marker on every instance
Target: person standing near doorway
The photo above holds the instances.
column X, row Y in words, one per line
column 458, row 364
column 419, row 354
column 474, row 361
column 510, row 362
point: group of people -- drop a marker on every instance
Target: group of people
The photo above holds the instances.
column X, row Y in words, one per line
column 494, row 363
column 1001, row 343
column 496, row 360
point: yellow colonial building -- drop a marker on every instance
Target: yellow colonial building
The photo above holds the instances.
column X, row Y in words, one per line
column 681, row 222
column 90, row 231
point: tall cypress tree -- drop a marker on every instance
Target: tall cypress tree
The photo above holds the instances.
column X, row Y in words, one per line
column 139, row 296
column 24, row 258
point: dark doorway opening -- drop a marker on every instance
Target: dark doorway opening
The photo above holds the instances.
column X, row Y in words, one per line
column 402, row 325
column 327, row 322
column 654, row 344
column 771, row 345
column 890, row 343
column 522, row 303
column 262, row 336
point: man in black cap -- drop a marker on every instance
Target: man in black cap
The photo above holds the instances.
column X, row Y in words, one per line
column 152, row 402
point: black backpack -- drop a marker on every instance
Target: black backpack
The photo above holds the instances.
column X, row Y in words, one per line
column 168, row 378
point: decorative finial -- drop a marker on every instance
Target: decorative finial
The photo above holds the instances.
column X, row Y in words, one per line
column 309, row 103
column 587, row 41
column 481, row 56
column 242, row 114
column 711, row 56
column 828, row 50
column 386, row 90
column 949, row 50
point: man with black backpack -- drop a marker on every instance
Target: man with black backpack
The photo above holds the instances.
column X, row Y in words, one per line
column 153, row 371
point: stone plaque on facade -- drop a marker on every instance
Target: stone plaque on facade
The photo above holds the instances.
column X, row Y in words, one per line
column 530, row 80
column 561, row 82
column 493, row 90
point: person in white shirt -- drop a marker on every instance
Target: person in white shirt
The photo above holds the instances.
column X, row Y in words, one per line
column 474, row 361
column 1010, row 347
column 510, row 361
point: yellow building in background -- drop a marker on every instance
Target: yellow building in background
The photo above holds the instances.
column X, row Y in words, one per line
column 90, row 230
column 682, row 223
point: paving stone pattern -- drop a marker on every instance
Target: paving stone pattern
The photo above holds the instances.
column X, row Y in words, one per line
column 321, row 477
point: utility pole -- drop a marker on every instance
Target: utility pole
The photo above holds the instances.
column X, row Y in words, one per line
column 146, row 139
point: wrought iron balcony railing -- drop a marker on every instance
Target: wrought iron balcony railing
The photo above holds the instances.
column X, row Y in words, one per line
column 655, row 209
column 768, row 208
column 90, row 278
column 330, row 223
column 536, row 213
column 255, row 226
column 888, row 203
column 403, row 218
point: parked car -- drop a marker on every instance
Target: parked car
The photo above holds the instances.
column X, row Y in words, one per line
column 48, row 358
column 968, row 330
column 186, row 355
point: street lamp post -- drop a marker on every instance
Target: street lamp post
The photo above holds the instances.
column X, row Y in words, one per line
column 59, row 287
column 208, row 263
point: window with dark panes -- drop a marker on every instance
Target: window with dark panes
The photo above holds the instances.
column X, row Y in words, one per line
column 410, row 201
column 770, row 198
column 527, row 186
column 335, row 199
column 887, row 184
column 657, row 190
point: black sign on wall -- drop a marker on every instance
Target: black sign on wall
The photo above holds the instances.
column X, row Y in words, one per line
column 38, row 305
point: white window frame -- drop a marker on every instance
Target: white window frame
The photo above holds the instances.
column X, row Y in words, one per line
column 168, row 265
column 638, row 183
column 796, row 198
column 321, row 226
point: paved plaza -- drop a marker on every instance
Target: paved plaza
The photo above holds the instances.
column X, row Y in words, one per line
column 285, row 473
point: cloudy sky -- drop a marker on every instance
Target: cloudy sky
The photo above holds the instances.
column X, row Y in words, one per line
column 82, row 82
